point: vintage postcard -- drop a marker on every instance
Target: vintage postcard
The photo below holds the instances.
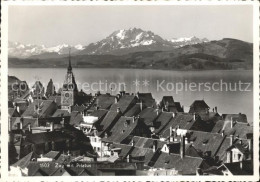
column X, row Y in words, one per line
column 149, row 90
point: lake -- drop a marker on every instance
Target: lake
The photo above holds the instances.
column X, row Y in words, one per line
column 230, row 91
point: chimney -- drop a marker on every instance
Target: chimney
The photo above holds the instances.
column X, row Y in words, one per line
column 249, row 141
column 141, row 105
column 154, row 145
column 194, row 116
column 29, row 127
column 18, row 109
column 231, row 122
column 118, row 110
column 105, row 134
column 231, row 140
column 132, row 142
column 116, row 99
column 52, row 126
column 213, row 109
column 173, row 115
column 63, row 123
column 21, row 123
column 222, row 133
column 136, row 118
column 171, row 135
column 128, row 158
column 216, row 109
column 241, row 164
column 182, row 147
column 198, row 172
column 157, row 112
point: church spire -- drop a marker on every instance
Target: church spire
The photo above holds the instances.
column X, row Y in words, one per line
column 69, row 67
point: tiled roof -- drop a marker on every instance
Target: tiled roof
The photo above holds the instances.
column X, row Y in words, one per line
column 39, row 138
column 65, row 159
column 210, row 116
column 206, row 142
column 147, row 99
column 53, row 154
column 44, row 105
column 81, row 108
column 75, row 118
column 235, row 169
column 125, row 149
column 109, row 120
column 26, row 122
column 12, row 112
column 163, row 119
column 191, row 151
column 186, row 166
column 168, row 101
column 142, row 152
column 99, row 113
column 24, row 162
column 105, row 101
column 198, row 106
column 56, row 99
column 240, row 118
column 60, row 113
column 80, row 171
column 218, row 126
column 148, row 115
column 178, row 107
column 144, row 142
column 124, row 103
column 134, row 111
column 239, row 130
column 181, row 120
column 14, row 121
column 122, row 129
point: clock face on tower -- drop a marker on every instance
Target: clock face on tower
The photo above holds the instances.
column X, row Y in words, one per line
column 67, row 98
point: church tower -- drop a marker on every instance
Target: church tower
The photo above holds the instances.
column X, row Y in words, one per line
column 69, row 90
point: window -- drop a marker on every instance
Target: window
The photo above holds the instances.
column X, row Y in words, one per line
column 126, row 124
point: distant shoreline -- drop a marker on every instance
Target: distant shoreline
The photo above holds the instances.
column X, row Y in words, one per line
column 181, row 70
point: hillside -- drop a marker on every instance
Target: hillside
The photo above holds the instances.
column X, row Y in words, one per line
column 222, row 54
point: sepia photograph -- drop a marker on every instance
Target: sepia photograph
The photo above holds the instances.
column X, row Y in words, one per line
column 139, row 89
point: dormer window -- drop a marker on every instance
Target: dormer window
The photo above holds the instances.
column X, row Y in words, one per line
column 205, row 141
column 127, row 122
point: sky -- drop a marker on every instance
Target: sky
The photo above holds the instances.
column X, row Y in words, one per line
column 54, row 25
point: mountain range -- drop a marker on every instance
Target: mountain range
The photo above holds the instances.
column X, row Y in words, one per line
column 136, row 48
column 118, row 43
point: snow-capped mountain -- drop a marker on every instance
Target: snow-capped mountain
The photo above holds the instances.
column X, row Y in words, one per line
column 187, row 41
column 118, row 43
column 16, row 49
column 135, row 39
column 124, row 41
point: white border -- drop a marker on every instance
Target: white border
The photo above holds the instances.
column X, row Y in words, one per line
column 4, row 98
